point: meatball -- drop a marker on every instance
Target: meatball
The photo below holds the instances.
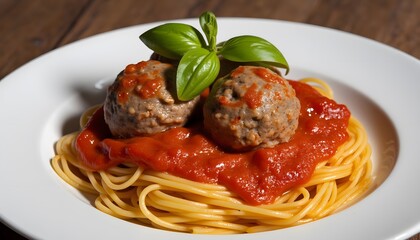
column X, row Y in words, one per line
column 251, row 107
column 142, row 101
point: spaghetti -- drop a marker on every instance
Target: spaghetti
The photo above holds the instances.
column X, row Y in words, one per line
column 161, row 200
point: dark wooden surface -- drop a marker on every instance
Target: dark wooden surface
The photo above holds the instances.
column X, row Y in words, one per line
column 29, row 28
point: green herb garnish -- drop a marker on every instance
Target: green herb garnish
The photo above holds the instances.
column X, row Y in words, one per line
column 199, row 62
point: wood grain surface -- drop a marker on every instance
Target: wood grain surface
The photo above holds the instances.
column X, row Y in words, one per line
column 30, row 28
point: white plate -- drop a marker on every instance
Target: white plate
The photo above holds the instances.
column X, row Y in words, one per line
column 42, row 100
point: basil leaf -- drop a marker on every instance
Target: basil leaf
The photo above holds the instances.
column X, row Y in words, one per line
column 252, row 49
column 209, row 25
column 172, row 40
column 196, row 71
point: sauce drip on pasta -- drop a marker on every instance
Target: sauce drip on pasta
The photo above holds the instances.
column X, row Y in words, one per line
column 257, row 176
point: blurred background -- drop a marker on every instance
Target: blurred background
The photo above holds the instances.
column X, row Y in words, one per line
column 30, row 28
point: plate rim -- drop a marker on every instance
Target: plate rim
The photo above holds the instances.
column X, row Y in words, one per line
column 7, row 80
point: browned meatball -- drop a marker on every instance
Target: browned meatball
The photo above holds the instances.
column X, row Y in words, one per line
column 142, row 101
column 251, row 107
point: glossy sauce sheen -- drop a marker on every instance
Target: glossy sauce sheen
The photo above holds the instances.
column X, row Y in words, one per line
column 258, row 176
column 145, row 85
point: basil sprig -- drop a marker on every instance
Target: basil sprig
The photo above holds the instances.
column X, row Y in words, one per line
column 199, row 62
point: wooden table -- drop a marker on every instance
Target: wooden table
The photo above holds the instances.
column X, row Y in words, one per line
column 29, row 28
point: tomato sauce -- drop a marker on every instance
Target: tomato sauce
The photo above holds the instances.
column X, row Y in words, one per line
column 253, row 97
column 268, row 75
column 257, row 176
column 146, row 85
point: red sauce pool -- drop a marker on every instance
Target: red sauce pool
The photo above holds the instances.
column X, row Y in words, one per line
column 258, row 176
